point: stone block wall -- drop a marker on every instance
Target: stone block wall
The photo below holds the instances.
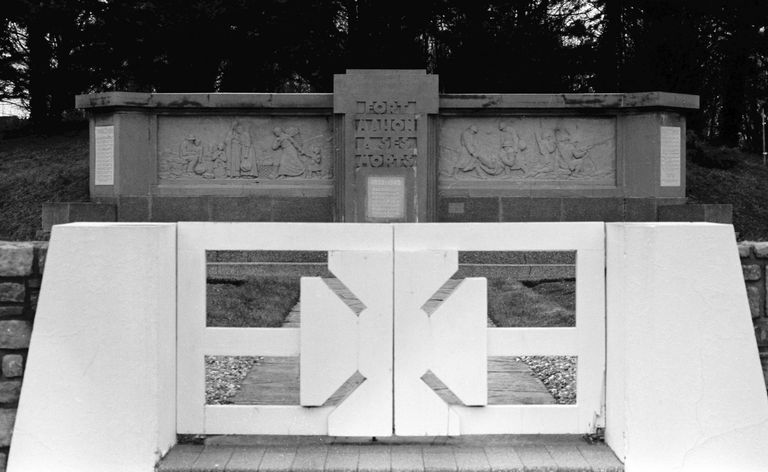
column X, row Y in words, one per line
column 21, row 269
column 754, row 259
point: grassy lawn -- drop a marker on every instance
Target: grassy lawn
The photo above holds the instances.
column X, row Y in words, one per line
column 740, row 179
column 258, row 302
column 512, row 303
column 36, row 169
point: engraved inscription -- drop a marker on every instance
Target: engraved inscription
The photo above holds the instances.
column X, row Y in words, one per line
column 385, row 133
column 245, row 149
column 528, row 149
column 670, row 156
column 104, row 172
column 386, row 197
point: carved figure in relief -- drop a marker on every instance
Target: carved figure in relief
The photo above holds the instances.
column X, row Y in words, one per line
column 240, row 152
column 288, row 143
column 281, row 154
column 545, row 140
column 191, row 152
column 220, row 161
column 562, row 151
column 511, row 145
column 315, row 165
column 571, row 155
column 478, row 159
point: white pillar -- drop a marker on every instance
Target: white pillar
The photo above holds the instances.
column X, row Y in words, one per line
column 685, row 389
column 99, row 386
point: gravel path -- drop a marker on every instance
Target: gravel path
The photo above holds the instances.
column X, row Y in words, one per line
column 557, row 373
column 223, row 377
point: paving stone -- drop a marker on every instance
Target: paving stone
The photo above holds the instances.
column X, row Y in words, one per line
column 751, row 271
column 245, row 459
column 310, row 458
column 12, row 292
column 536, row 458
column 16, row 259
column 181, row 458
column 213, row 459
column 342, row 458
column 15, row 334
column 374, row 459
column 601, row 458
column 471, row 459
column 439, row 459
column 407, row 459
column 277, row 459
column 569, row 458
column 13, row 365
column 503, row 459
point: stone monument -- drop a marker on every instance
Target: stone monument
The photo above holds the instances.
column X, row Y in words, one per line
column 385, row 146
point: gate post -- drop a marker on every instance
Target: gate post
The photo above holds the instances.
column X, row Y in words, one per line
column 684, row 384
column 99, row 387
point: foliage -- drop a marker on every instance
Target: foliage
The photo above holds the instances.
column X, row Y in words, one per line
column 51, row 50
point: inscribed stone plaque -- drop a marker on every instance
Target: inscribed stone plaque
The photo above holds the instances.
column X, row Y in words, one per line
column 670, row 156
column 105, row 155
column 386, row 197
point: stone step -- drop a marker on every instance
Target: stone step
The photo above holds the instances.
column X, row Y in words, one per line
column 509, row 453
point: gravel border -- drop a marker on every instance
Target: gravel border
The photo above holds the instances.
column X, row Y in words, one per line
column 557, row 373
column 223, row 377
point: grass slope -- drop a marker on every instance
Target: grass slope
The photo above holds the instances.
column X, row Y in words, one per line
column 745, row 186
column 37, row 169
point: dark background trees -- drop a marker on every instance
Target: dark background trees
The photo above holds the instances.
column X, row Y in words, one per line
column 51, row 50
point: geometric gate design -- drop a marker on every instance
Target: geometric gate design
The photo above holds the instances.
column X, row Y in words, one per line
column 394, row 337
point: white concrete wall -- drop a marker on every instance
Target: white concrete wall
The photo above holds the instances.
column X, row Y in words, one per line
column 684, row 385
column 99, row 388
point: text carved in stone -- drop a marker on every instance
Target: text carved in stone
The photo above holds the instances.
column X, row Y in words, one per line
column 385, row 134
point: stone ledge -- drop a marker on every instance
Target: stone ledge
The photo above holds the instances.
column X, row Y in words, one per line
column 55, row 213
column 708, row 212
column 571, row 100
column 205, row 100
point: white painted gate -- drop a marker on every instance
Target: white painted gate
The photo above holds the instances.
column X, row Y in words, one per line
column 392, row 270
column 454, row 341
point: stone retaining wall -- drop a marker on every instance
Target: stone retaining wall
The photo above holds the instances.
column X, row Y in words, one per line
column 754, row 258
column 21, row 268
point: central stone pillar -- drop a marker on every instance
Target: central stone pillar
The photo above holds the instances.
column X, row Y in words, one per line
column 386, row 170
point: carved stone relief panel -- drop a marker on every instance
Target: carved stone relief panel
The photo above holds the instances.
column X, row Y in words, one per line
column 244, row 148
column 529, row 149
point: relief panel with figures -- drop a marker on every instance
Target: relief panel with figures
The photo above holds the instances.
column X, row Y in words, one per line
column 244, row 149
column 528, row 149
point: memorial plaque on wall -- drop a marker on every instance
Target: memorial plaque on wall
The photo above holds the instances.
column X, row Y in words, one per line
column 104, row 165
column 387, row 159
column 670, row 155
